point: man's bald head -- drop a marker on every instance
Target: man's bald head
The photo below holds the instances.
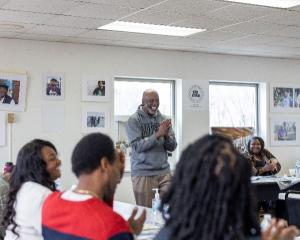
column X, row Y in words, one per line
column 150, row 101
column 148, row 92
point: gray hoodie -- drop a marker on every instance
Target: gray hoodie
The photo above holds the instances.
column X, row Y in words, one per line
column 149, row 155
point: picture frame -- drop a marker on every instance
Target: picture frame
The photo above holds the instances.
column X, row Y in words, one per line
column 95, row 119
column 12, row 92
column 284, row 97
column 3, row 125
column 54, row 86
column 285, row 130
column 95, row 89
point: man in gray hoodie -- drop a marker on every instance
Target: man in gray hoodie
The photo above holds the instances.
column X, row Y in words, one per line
column 151, row 137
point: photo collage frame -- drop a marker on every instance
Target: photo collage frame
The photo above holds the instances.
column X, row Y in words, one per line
column 284, row 120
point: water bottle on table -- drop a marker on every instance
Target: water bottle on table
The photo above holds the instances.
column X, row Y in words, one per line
column 155, row 201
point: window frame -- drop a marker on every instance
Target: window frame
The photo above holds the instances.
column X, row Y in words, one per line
column 124, row 118
column 154, row 80
column 249, row 84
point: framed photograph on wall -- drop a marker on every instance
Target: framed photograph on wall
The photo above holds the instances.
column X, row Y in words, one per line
column 95, row 119
column 297, row 98
column 2, row 128
column 284, row 130
column 54, row 86
column 95, row 89
column 284, row 98
column 12, row 91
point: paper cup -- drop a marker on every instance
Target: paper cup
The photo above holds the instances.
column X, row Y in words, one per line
column 292, row 171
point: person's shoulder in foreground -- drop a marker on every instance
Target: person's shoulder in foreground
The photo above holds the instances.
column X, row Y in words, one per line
column 95, row 219
column 211, row 197
column 3, row 198
column 3, row 186
column 85, row 212
column 32, row 180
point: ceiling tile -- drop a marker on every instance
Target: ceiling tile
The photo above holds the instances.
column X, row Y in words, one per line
column 192, row 42
column 2, row 2
column 114, row 35
column 104, row 11
column 253, row 27
column 219, row 35
column 136, row 4
column 23, row 17
column 232, row 28
column 40, row 37
column 293, row 32
column 52, row 30
column 190, row 7
column 76, row 22
column 242, row 12
column 153, row 40
column 205, row 22
column 4, row 34
column 284, row 17
column 41, row 6
column 254, row 39
column 15, row 27
column 87, row 40
column 155, row 17
column 252, row 46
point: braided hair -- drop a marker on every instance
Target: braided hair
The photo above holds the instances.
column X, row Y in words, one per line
column 210, row 196
column 30, row 166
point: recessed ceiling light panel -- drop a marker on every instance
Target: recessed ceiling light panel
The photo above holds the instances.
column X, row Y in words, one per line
column 150, row 29
column 270, row 3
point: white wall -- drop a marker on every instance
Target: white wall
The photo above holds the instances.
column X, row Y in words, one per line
column 75, row 60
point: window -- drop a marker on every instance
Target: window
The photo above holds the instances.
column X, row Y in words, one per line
column 233, row 110
column 128, row 97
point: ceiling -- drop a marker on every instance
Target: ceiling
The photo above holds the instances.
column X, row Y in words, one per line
column 232, row 28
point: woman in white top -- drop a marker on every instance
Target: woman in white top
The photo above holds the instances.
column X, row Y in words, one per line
column 31, row 182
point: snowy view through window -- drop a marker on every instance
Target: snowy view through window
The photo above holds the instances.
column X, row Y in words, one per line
column 233, row 105
column 128, row 96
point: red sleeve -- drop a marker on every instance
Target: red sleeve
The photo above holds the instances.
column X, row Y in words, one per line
column 120, row 230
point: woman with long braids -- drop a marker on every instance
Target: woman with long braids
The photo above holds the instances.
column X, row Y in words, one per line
column 31, row 182
column 210, row 196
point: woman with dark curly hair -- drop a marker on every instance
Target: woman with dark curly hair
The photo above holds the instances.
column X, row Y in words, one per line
column 262, row 161
column 31, row 182
column 210, row 197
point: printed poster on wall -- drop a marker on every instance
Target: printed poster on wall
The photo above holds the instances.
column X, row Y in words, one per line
column 12, row 91
column 196, row 95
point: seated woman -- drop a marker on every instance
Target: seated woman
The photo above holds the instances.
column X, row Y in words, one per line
column 31, row 182
column 210, row 197
column 262, row 161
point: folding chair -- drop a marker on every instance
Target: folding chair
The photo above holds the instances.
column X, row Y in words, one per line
column 292, row 201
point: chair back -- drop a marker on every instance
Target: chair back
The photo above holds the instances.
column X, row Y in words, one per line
column 292, row 200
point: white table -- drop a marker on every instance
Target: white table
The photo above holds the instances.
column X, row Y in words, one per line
column 268, row 187
column 152, row 224
column 283, row 182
